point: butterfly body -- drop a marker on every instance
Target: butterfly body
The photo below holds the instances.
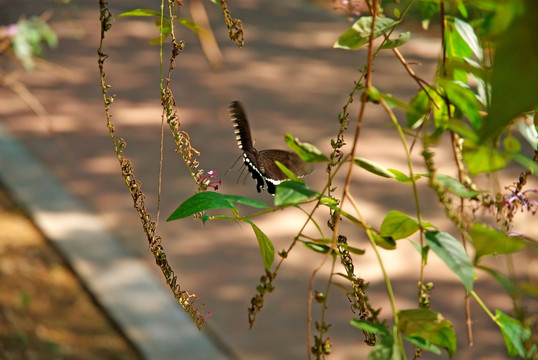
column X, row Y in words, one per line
column 261, row 164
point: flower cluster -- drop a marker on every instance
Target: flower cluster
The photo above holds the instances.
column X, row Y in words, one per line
column 205, row 182
column 519, row 199
column 350, row 7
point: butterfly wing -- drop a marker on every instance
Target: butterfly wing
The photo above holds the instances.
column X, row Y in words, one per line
column 261, row 165
column 242, row 129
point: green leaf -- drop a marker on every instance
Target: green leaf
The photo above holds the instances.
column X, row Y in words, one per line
column 482, row 158
column 489, row 241
column 140, row 12
column 392, row 101
column 266, row 246
column 290, row 174
column 420, row 103
column 423, row 344
column 191, row 25
column 462, row 128
column 403, row 178
column 453, row 255
column 373, row 167
column 394, row 43
column 208, row 200
column 427, row 10
column 370, row 327
column 514, row 88
column 464, row 99
column 292, row 192
column 359, row 33
column 514, row 333
column 468, row 35
column 430, row 326
column 199, row 202
column 385, row 242
column 306, row 151
column 455, row 187
column 386, row 349
column 398, row 225
column 320, row 248
column 529, row 133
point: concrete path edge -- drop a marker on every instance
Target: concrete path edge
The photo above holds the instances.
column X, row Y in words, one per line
column 122, row 284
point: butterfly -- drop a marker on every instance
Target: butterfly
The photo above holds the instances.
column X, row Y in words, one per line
column 261, row 164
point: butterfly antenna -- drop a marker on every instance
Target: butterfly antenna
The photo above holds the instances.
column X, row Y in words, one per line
column 233, row 165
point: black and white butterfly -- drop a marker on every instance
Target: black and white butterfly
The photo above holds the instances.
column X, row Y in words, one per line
column 261, row 164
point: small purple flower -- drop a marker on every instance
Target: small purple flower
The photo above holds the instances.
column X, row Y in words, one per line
column 12, row 30
column 516, row 199
column 350, row 7
column 205, row 182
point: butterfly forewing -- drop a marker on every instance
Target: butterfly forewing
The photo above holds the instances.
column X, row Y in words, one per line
column 242, row 130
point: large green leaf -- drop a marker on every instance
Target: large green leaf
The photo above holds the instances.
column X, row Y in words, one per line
column 359, row 33
column 489, row 241
column 428, row 325
column 453, row 255
column 207, row 200
column 291, row 192
column 200, row 202
column 514, row 88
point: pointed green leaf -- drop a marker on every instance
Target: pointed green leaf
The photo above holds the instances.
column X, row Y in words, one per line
column 306, row 151
column 199, row 202
column 403, row 178
column 359, row 33
column 373, row 167
column 266, row 246
column 453, row 255
column 320, row 248
column 468, row 35
column 456, row 187
column 141, row 12
column 489, row 241
column 398, row 225
column 430, row 326
column 245, row 201
column 370, row 327
column 514, row 333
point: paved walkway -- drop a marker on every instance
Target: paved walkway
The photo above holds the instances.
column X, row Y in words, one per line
column 289, row 79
